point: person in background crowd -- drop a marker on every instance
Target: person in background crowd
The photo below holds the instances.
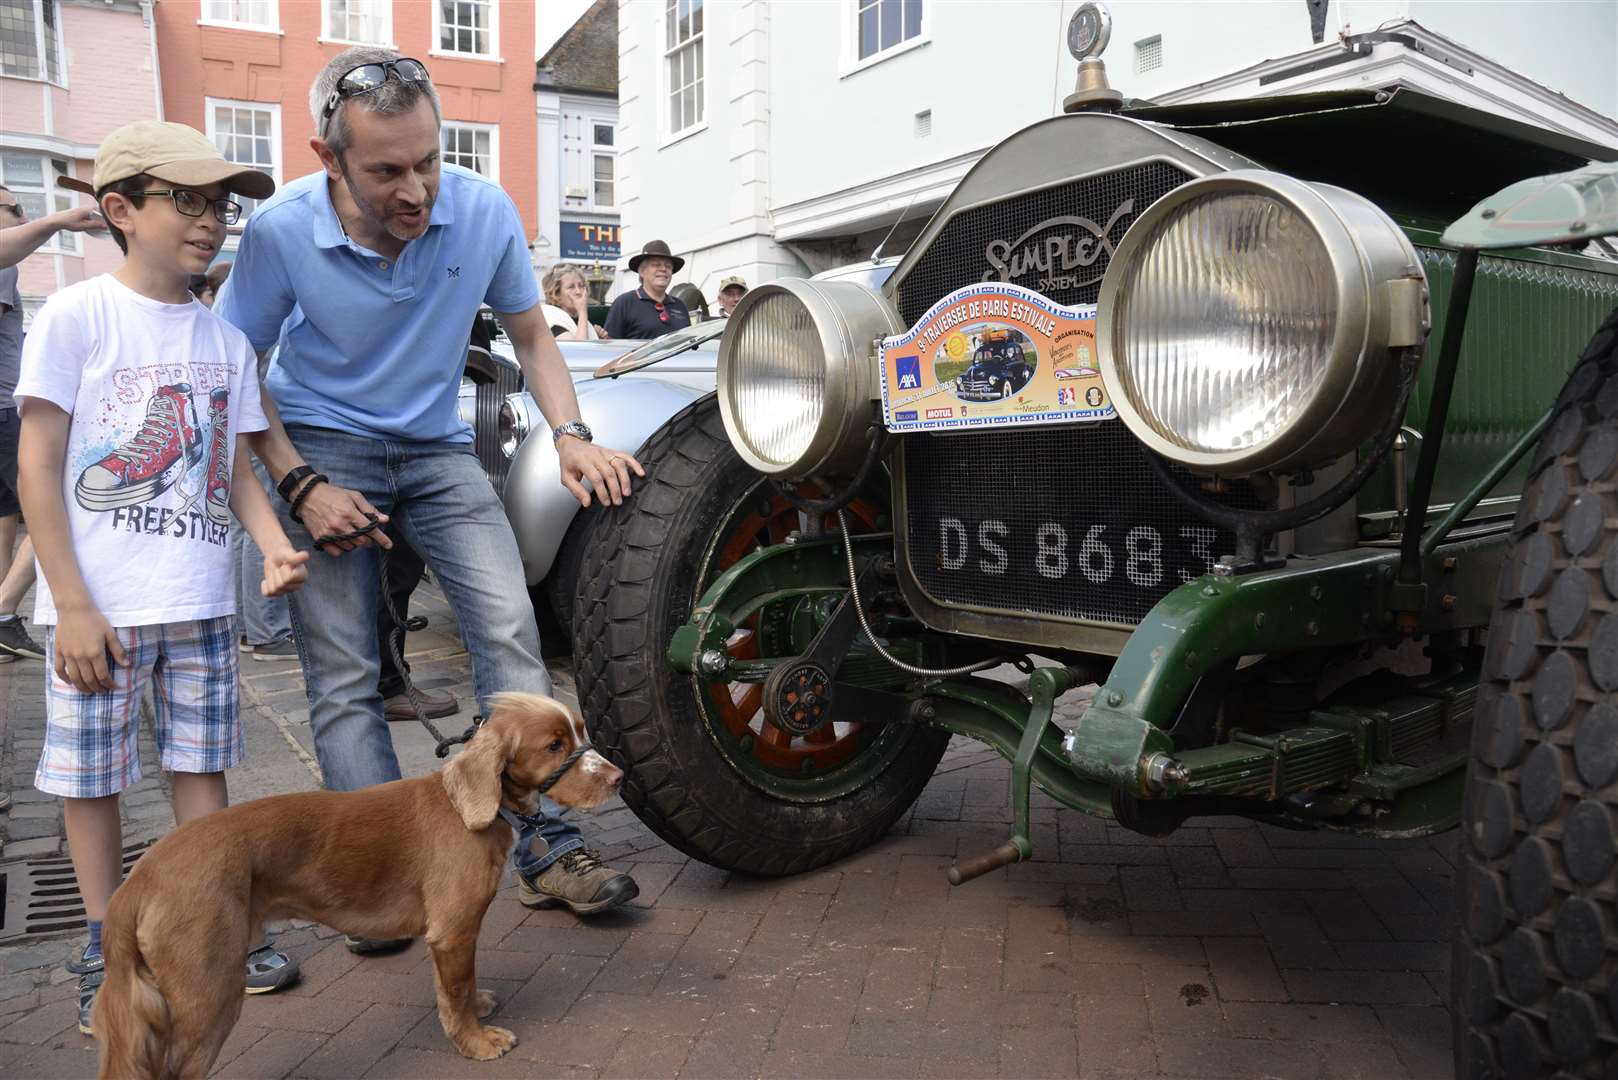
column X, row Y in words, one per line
column 366, row 379
column 567, row 304
column 266, row 624
column 202, row 290
column 18, row 238
column 649, row 311
column 731, row 291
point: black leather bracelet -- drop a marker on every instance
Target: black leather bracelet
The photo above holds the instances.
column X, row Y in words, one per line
column 315, row 480
column 289, row 482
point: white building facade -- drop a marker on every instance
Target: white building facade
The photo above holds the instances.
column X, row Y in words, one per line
column 775, row 139
column 576, row 100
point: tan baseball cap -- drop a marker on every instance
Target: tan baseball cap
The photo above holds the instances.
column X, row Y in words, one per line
column 732, row 280
column 172, row 152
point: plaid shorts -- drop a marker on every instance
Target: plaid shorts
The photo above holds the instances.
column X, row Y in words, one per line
column 192, row 668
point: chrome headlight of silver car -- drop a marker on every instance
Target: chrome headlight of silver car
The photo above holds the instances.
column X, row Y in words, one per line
column 797, row 375
column 513, row 423
column 1247, row 322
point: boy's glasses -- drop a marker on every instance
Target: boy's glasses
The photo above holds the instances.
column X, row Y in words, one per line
column 194, row 203
column 368, row 77
column 15, row 208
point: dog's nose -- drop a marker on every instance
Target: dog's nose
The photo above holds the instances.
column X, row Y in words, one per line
column 601, row 769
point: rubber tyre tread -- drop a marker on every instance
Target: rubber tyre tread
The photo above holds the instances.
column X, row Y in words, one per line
column 1519, row 1009
column 637, row 584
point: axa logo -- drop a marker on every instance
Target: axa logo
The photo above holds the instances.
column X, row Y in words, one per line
column 909, row 368
column 1062, row 251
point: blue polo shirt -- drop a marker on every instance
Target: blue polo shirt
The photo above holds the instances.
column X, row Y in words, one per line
column 371, row 345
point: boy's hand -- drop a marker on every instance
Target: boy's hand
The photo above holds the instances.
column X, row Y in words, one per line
column 284, row 571
column 83, row 640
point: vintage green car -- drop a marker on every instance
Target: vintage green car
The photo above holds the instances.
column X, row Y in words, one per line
column 1332, row 563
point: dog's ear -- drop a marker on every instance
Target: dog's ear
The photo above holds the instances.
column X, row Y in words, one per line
column 472, row 778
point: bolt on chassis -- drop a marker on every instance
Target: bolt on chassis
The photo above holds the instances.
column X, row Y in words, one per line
column 1340, row 550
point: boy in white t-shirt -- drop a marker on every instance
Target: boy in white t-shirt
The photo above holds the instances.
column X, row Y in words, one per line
column 134, row 401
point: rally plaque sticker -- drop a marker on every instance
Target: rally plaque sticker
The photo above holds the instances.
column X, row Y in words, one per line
column 989, row 355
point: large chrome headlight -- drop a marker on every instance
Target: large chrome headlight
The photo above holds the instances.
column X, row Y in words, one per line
column 797, row 375
column 1247, row 320
column 513, row 423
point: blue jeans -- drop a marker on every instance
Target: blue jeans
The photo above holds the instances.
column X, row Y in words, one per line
column 439, row 499
column 264, row 618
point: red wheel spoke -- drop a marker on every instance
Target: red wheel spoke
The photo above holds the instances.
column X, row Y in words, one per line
column 774, row 736
column 822, row 736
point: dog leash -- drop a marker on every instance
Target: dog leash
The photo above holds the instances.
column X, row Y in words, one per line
column 416, row 622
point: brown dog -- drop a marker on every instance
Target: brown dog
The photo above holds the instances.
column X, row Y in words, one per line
column 414, row 857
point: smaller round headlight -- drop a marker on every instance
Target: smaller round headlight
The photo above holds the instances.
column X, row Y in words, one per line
column 797, row 375
column 513, row 424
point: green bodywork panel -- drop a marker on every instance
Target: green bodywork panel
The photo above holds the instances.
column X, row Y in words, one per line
column 1531, row 316
column 1565, row 208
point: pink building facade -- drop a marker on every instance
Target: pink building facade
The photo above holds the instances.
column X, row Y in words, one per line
column 70, row 72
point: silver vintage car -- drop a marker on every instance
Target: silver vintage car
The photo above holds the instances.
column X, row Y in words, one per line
column 624, row 396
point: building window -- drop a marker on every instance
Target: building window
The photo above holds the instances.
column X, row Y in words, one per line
column 683, row 52
column 30, row 30
column 473, row 146
column 366, row 22
column 467, row 27
column 251, row 14
column 603, row 134
column 32, row 178
column 883, row 24
column 1149, row 54
column 603, row 182
column 247, row 133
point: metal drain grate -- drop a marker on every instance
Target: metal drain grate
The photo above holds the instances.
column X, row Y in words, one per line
column 41, row 896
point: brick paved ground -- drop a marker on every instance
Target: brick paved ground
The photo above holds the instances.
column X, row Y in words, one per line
column 1225, row 950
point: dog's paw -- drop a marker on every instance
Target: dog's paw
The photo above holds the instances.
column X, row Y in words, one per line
column 487, row 1043
column 483, row 1004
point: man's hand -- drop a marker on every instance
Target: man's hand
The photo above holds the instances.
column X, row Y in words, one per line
column 78, row 219
column 329, row 510
column 284, row 571
column 83, row 640
column 606, row 470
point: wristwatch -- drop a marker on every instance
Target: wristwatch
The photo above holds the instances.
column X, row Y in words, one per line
column 576, row 428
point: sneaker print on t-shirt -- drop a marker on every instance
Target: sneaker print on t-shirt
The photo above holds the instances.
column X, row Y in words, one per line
column 171, row 475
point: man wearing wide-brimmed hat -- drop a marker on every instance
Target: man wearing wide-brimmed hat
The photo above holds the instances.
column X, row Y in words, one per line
column 649, row 311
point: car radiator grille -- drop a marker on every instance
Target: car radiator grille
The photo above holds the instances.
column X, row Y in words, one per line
column 486, row 435
column 1066, row 522
column 956, row 257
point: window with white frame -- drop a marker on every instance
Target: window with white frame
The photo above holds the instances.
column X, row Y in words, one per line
column 473, row 146
column 469, row 27
column 253, row 14
column 247, row 133
column 880, row 25
column 366, row 22
column 31, row 177
column 683, row 56
column 30, row 40
column 603, row 193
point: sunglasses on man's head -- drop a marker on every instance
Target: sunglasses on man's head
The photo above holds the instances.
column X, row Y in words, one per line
column 368, row 77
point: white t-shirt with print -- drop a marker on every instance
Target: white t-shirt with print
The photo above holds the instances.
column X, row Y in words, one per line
column 157, row 393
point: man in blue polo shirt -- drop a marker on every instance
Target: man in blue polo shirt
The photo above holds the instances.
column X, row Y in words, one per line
column 368, row 274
